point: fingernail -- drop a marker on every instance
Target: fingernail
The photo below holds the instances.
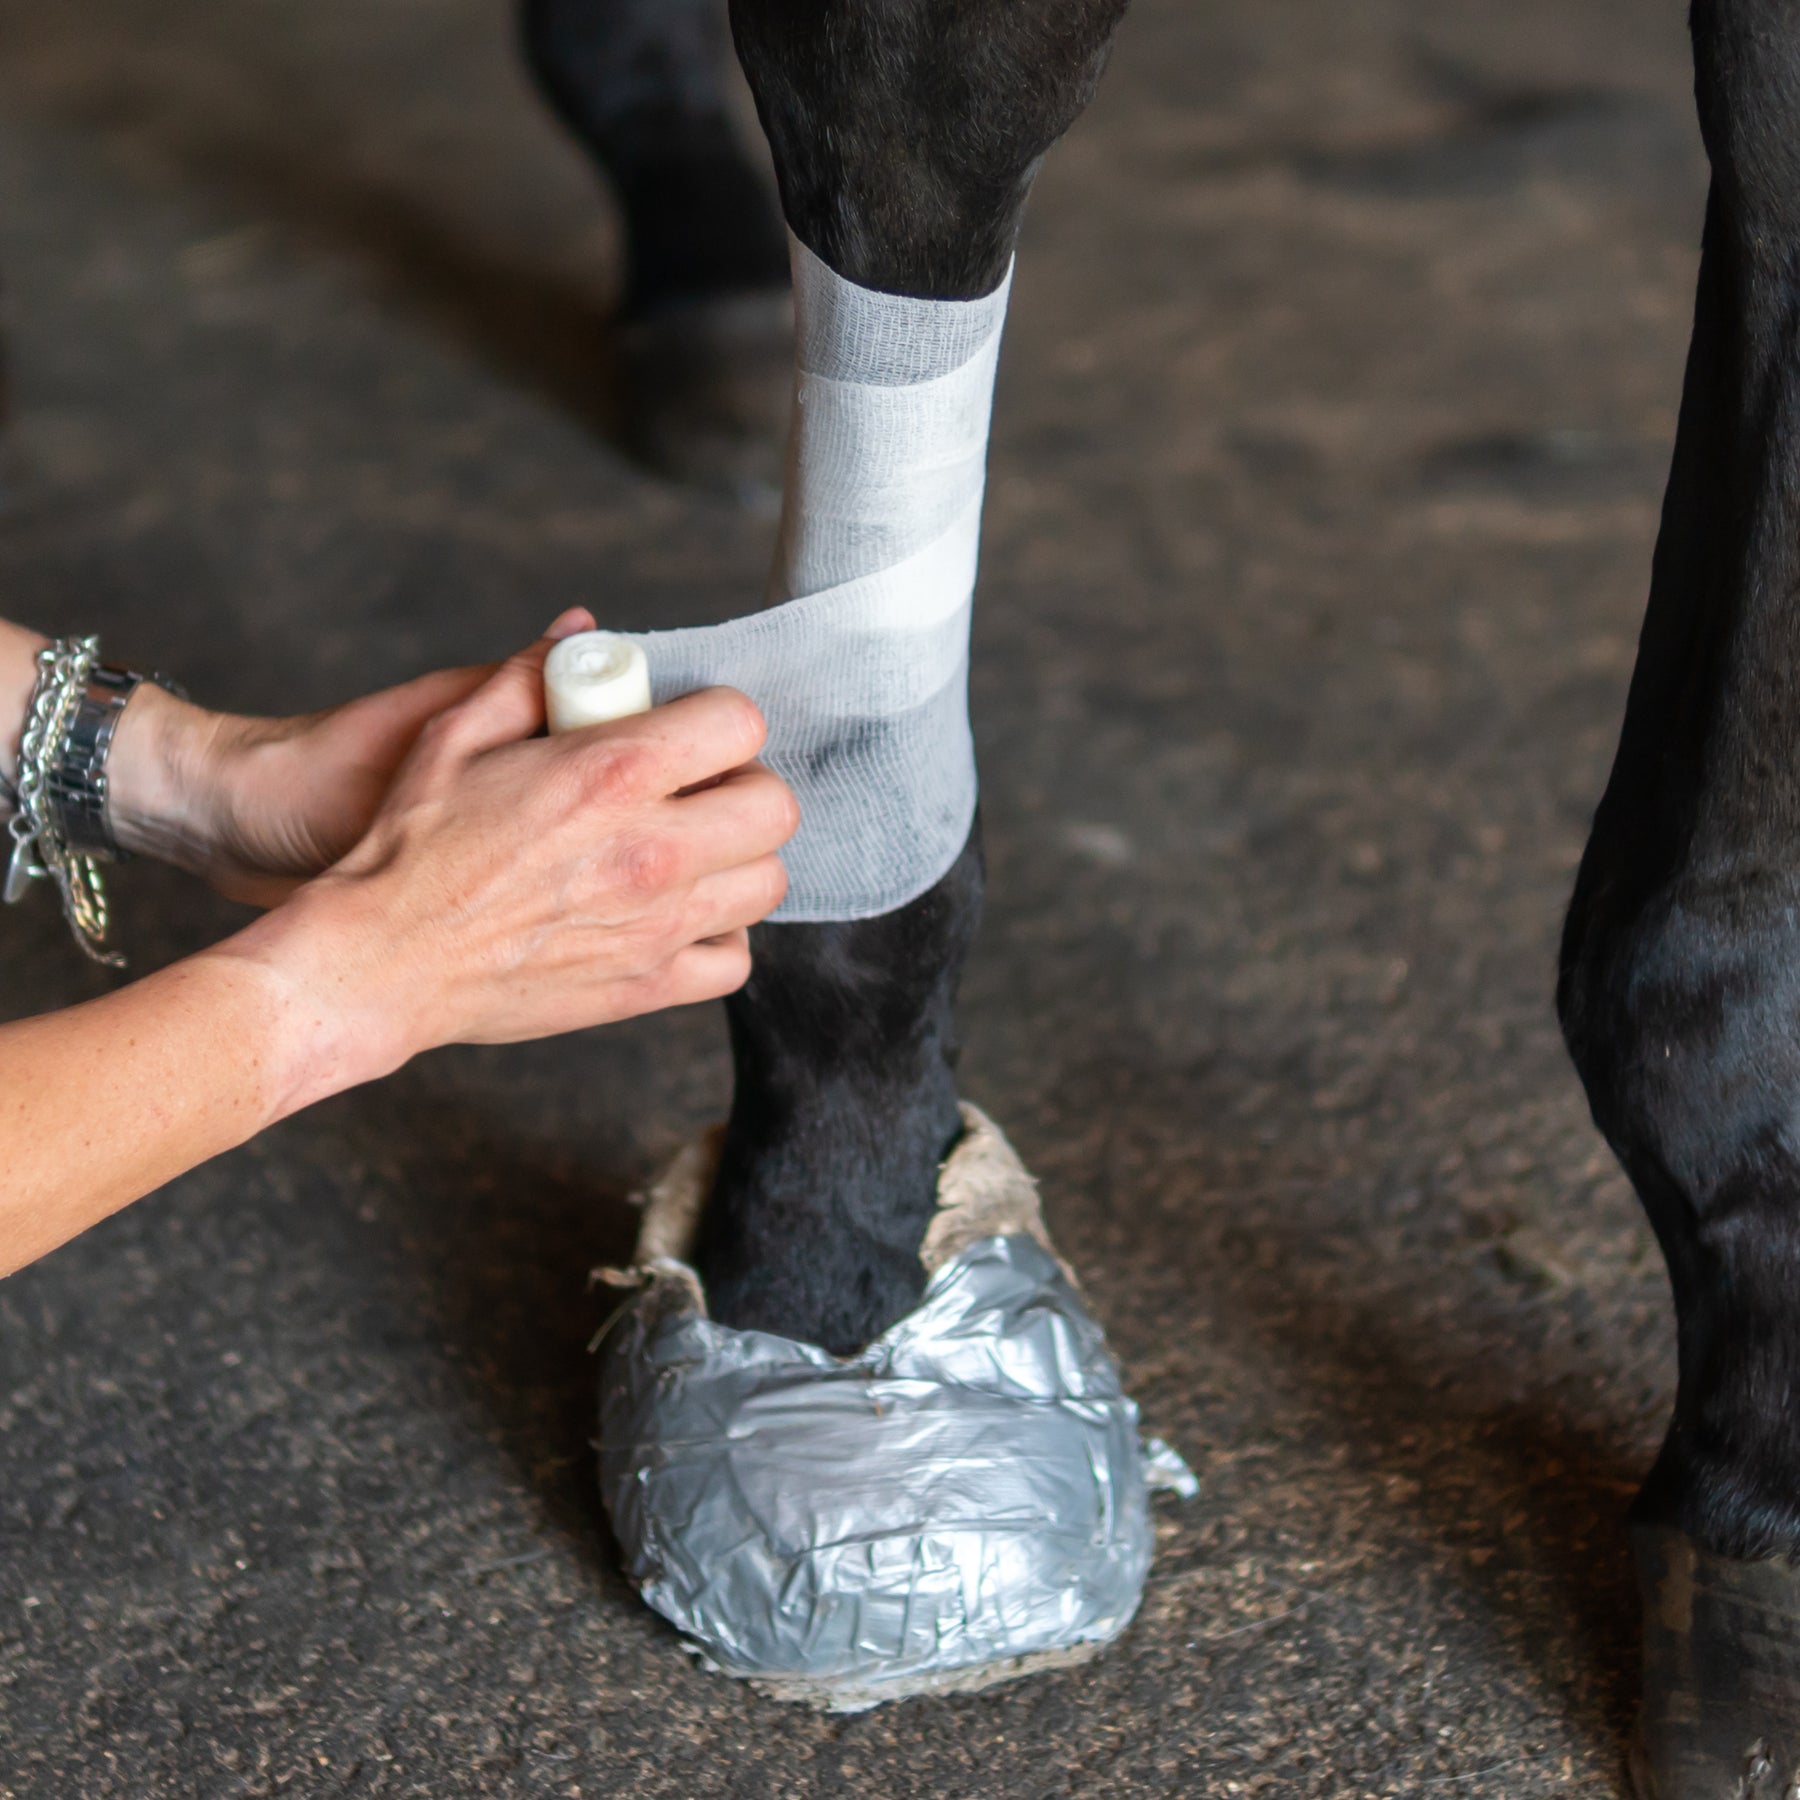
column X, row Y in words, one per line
column 577, row 618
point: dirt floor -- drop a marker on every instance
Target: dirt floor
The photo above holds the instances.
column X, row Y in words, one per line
column 1335, row 408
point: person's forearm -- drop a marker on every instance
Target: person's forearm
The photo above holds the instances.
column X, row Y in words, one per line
column 101, row 1103
column 104, row 1102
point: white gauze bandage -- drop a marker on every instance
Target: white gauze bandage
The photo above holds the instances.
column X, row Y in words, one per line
column 860, row 665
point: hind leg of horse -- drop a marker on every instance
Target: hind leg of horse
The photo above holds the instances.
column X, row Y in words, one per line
column 704, row 335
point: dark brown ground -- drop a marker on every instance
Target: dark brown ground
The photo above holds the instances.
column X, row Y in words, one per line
column 1336, row 405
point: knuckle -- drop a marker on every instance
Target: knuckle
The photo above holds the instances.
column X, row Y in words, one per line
column 639, row 956
column 648, row 866
column 676, row 925
column 441, row 734
column 616, row 773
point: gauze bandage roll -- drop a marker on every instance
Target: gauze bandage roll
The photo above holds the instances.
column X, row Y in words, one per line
column 593, row 677
column 860, row 665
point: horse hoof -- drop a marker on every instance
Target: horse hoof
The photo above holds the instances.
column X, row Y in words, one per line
column 705, row 389
column 961, row 1502
column 1721, row 1712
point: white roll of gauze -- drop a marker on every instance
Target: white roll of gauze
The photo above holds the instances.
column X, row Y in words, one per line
column 592, row 677
column 860, row 665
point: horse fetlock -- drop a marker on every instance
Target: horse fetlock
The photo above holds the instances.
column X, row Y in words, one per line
column 820, row 1207
column 844, row 1109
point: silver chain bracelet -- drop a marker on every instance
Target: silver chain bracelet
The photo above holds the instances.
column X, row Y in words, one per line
column 41, row 848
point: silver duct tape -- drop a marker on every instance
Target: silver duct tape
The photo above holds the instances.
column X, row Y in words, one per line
column 962, row 1501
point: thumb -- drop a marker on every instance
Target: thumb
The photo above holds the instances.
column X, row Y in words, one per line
column 509, row 705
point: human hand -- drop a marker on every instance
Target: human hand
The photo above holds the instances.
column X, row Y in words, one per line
column 256, row 806
column 511, row 886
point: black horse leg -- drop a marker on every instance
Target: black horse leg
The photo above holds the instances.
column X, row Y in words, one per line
column 843, row 1046
column 704, row 339
column 905, row 137
column 1680, row 990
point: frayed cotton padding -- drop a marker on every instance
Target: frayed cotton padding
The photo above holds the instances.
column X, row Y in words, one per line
column 860, row 663
column 961, row 1502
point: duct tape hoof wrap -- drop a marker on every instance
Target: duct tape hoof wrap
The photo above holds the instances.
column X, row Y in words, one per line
column 961, row 1502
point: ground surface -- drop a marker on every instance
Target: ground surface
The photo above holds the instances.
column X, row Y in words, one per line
column 1338, row 394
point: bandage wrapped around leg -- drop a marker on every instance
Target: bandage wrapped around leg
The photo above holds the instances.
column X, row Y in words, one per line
column 860, row 665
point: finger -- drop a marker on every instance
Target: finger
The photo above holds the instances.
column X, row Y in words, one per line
column 733, row 899
column 708, row 970
column 675, row 745
column 509, row 704
column 385, row 723
column 704, row 971
column 736, row 941
column 744, row 815
column 424, row 695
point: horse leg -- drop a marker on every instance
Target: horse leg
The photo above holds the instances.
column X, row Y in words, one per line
column 704, row 351
column 905, row 137
column 1680, row 983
